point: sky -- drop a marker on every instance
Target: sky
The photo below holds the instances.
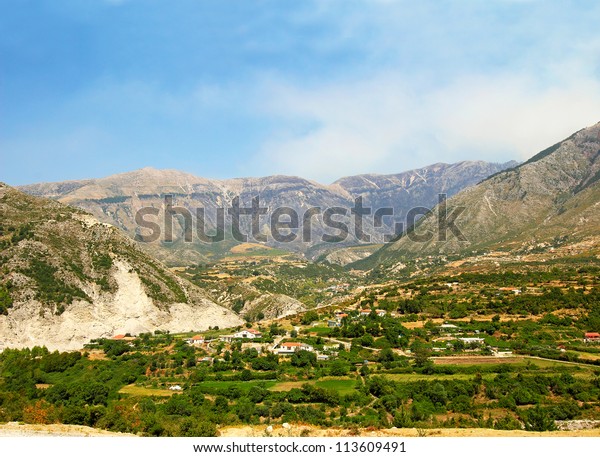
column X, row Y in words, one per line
column 318, row 89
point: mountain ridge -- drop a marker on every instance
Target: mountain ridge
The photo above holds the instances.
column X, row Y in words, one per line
column 116, row 198
column 553, row 195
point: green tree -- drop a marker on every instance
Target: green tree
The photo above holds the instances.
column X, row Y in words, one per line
column 422, row 355
column 385, row 355
column 538, row 419
column 339, row 368
column 303, row 358
column 5, row 300
column 309, row 317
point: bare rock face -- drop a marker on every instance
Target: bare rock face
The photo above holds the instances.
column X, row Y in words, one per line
column 345, row 256
column 273, row 306
column 552, row 199
column 65, row 279
column 116, row 200
column 128, row 310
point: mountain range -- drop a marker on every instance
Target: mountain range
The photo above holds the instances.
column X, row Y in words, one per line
column 70, row 270
column 549, row 203
column 117, row 199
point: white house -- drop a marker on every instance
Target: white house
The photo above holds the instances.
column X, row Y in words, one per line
column 472, row 340
column 248, row 334
column 290, row 348
column 195, row 340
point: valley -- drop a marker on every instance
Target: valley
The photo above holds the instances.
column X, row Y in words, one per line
column 464, row 351
column 498, row 333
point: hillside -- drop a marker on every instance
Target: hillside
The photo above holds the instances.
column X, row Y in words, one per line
column 549, row 203
column 116, row 199
column 65, row 278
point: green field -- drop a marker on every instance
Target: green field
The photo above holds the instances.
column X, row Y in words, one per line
column 213, row 387
column 342, row 386
column 321, row 331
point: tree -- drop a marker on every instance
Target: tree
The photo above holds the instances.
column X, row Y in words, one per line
column 537, row 419
column 268, row 363
column 303, row 358
column 221, row 405
column 257, row 394
column 385, row 355
column 339, row 368
column 367, row 340
column 178, row 405
column 309, row 317
column 364, row 371
column 246, row 375
column 245, row 409
column 422, row 356
column 197, row 396
column 5, row 300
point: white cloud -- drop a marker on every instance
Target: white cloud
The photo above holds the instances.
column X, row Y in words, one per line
column 485, row 83
column 388, row 125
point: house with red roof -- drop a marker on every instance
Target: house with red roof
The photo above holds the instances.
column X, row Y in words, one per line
column 249, row 333
column 195, row 340
column 291, row 347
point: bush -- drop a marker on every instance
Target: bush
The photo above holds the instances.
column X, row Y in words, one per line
column 303, row 359
column 538, row 419
column 309, row 317
column 339, row 368
column 5, row 300
column 507, row 422
column 178, row 405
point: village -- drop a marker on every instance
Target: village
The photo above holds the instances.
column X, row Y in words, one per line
column 466, row 352
column 322, row 337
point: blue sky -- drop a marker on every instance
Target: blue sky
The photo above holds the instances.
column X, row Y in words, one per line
column 319, row 89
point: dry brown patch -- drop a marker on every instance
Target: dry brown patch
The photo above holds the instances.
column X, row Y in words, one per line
column 308, row 430
column 96, row 354
column 474, row 360
column 17, row 429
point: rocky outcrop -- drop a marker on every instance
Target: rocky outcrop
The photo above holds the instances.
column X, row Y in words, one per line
column 66, row 278
column 345, row 256
column 128, row 310
column 272, row 306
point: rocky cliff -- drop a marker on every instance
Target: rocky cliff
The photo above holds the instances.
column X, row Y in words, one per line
column 66, row 278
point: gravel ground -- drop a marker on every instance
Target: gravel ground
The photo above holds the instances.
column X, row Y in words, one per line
column 17, row 429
